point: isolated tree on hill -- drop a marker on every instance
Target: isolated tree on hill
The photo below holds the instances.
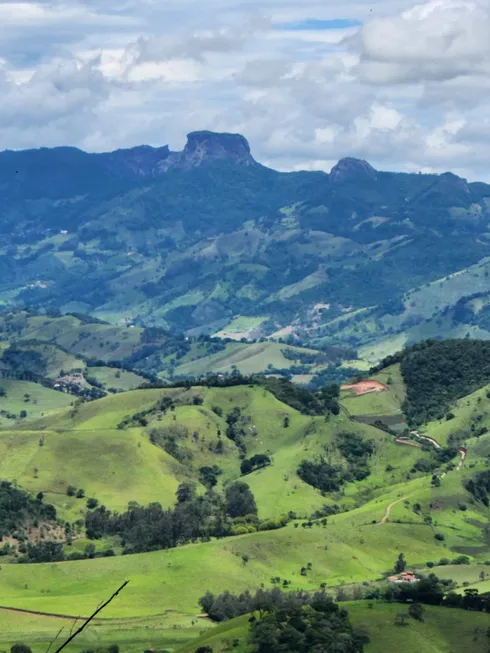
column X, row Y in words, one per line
column 400, row 564
column 416, row 611
column 400, row 619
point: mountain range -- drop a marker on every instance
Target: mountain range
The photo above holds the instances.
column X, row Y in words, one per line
column 209, row 241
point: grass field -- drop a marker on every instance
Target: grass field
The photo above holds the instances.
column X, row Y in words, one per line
column 132, row 635
column 82, row 446
column 385, row 405
column 114, row 378
column 34, row 398
column 248, row 358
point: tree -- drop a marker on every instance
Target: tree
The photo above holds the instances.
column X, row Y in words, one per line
column 416, row 611
column 20, row 648
column 246, row 466
column 401, row 619
column 92, row 503
column 360, row 635
column 240, row 500
column 186, row 492
column 206, row 601
column 436, row 481
column 400, row 564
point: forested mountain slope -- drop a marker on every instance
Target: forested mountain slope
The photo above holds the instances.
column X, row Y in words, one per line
column 194, row 239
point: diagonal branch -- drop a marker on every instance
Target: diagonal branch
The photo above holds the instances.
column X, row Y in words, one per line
column 54, row 640
column 77, row 632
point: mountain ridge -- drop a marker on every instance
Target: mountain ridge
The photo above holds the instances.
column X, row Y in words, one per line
column 194, row 240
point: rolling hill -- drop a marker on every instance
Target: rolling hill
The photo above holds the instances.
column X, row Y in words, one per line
column 341, row 494
column 123, row 356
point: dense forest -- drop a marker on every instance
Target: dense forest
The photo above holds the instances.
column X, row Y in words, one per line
column 437, row 373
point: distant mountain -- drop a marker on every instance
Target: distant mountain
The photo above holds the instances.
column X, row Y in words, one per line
column 208, row 240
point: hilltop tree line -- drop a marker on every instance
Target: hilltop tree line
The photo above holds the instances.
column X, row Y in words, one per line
column 304, row 400
column 437, row 373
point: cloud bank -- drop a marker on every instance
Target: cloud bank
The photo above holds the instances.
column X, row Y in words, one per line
column 404, row 86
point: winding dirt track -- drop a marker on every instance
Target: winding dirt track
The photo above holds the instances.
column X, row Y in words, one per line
column 462, row 452
column 388, row 510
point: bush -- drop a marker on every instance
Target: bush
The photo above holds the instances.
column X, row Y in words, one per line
column 416, row 611
column 92, row 503
column 440, row 537
column 20, row 648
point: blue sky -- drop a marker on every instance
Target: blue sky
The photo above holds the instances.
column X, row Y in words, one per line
column 319, row 24
column 402, row 84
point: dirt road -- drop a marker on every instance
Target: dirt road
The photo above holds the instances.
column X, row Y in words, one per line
column 388, row 510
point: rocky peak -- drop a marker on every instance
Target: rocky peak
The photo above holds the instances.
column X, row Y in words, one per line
column 453, row 180
column 204, row 146
column 350, row 168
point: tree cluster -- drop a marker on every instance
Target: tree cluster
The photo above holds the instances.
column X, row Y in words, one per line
column 479, row 487
column 194, row 517
column 258, row 461
column 328, row 477
column 289, row 621
column 18, row 509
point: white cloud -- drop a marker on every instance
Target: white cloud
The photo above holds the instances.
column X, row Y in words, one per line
column 408, row 90
column 438, row 40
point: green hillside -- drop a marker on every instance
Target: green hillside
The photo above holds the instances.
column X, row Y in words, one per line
column 338, row 499
column 207, row 243
column 80, row 342
column 440, row 632
column 33, row 398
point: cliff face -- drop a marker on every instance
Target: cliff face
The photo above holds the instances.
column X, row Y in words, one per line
column 204, row 147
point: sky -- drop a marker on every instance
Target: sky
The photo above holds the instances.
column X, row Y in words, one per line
column 404, row 86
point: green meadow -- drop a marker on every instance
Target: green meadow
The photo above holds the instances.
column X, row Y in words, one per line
column 97, row 446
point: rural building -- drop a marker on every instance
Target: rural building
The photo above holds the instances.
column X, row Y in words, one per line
column 404, row 577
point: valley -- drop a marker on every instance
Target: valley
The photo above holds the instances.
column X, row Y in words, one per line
column 208, row 241
column 259, row 397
